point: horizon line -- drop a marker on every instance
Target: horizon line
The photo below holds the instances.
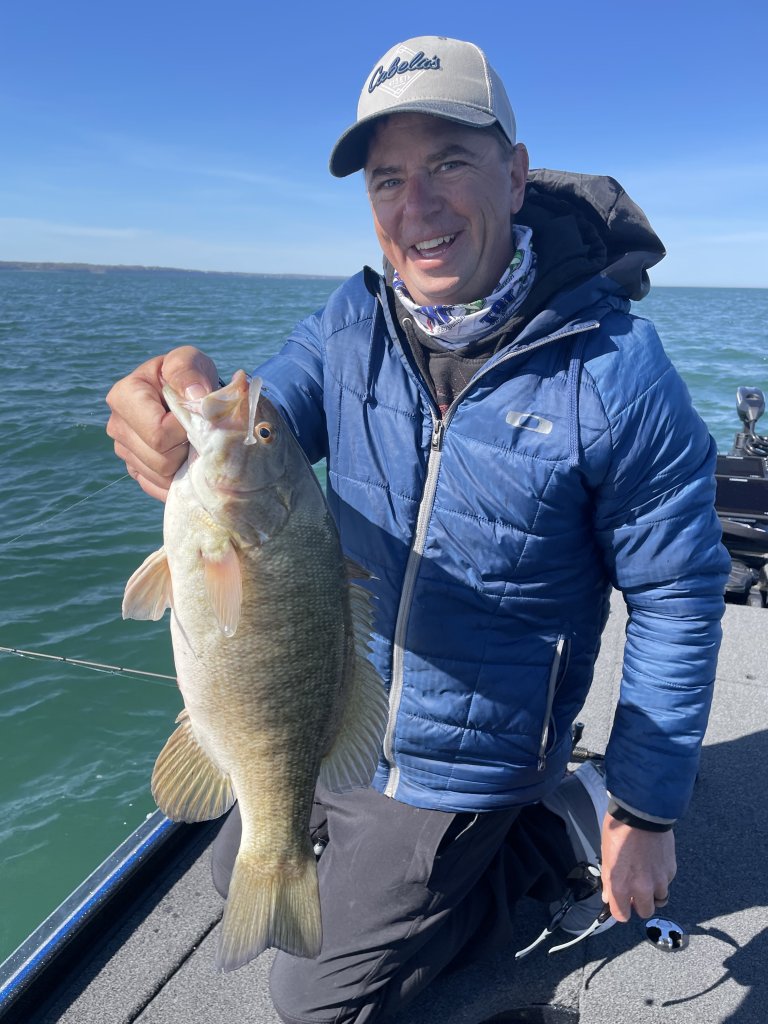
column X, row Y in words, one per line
column 57, row 265
column 42, row 266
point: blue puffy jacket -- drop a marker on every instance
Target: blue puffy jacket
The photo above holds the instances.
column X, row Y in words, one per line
column 572, row 462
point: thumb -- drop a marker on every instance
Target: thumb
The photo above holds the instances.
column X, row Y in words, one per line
column 189, row 372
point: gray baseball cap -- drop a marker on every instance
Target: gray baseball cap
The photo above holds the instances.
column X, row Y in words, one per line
column 426, row 75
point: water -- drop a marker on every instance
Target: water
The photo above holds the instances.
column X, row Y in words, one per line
column 78, row 746
column 718, row 340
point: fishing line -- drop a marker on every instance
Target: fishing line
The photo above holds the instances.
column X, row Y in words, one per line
column 95, row 666
column 38, row 526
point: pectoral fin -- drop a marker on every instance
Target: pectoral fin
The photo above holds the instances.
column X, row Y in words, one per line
column 148, row 592
column 186, row 784
column 224, row 586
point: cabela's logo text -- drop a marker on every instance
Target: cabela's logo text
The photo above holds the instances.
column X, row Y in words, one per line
column 401, row 67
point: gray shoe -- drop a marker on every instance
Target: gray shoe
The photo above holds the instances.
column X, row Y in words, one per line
column 581, row 800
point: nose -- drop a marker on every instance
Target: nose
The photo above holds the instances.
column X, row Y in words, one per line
column 422, row 198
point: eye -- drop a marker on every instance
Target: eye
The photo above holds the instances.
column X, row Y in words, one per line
column 265, row 432
column 386, row 184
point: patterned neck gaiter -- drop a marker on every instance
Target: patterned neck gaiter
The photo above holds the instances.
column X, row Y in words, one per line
column 456, row 326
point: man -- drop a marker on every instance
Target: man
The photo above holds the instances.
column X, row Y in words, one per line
column 504, row 443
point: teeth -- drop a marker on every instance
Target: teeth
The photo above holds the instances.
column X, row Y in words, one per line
column 434, row 242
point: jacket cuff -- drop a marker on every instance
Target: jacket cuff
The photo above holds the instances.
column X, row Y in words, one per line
column 635, row 818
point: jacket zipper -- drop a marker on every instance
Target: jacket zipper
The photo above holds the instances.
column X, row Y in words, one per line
column 439, row 427
column 554, row 681
column 403, row 613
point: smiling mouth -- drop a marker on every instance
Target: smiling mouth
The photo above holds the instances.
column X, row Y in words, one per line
column 434, row 247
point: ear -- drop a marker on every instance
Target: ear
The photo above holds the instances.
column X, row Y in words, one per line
column 519, row 176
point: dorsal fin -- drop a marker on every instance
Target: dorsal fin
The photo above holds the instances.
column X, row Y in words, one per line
column 354, row 752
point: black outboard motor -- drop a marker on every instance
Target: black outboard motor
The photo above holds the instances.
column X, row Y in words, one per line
column 742, row 503
column 750, row 405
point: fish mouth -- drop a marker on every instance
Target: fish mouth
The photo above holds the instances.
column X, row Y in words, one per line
column 178, row 406
column 224, row 408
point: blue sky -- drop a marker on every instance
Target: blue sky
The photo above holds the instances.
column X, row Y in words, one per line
column 197, row 134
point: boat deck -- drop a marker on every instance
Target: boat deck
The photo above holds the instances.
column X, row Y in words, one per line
column 158, row 967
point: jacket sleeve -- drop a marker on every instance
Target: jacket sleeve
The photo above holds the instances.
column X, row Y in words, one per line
column 293, row 380
column 661, row 541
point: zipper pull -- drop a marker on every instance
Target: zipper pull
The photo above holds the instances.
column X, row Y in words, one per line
column 438, row 430
column 554, row 679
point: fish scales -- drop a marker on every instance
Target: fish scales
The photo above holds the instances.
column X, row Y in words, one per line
column 270, row 638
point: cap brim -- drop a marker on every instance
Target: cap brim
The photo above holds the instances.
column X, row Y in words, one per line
column 350, row 152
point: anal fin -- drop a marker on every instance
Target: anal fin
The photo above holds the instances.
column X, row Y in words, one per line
column 186, row 784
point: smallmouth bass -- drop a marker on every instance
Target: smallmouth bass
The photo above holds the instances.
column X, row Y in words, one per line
column 270, row 630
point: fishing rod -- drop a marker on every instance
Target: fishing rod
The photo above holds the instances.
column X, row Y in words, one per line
column 95, row 666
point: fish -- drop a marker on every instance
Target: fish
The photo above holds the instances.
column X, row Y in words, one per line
column 271, row 627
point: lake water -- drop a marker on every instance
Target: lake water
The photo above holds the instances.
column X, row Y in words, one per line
column 78, row 746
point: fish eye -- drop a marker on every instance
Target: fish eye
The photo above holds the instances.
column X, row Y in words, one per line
column 264, row 432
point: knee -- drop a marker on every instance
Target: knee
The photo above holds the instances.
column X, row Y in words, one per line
column 224, row 852
column 302, row 994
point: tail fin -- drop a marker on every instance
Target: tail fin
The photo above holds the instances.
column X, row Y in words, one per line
column 264, row 909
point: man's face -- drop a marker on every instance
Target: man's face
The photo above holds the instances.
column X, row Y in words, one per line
column 443, row 196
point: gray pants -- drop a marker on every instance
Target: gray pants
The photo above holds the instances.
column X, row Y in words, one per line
column 405, row 892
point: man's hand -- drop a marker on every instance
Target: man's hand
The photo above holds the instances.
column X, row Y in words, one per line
column 147, row 436
column 637, row 868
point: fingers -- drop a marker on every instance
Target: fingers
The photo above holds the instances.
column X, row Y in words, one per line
column 153, row 472
column 149, row 438
column 638, row 867
column 644, row 905
column 187, row 368
column 620, row 904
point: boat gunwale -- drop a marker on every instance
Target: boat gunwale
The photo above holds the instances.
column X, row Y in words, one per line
column 81, row 913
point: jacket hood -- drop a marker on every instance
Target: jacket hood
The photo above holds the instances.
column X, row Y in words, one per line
column 590, row 219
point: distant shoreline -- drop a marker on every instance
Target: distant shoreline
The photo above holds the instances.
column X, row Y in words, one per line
column 105, row 268
column 43, row 266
